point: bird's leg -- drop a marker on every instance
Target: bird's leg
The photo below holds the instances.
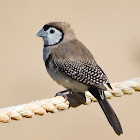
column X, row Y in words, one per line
column 64, row 91
column 64, row 95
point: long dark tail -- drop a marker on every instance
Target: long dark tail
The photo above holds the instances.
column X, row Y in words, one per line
column 109, row 112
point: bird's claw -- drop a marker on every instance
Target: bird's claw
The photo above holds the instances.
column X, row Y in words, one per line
column 63, row 95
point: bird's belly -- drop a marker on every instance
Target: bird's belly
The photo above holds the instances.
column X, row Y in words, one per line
column 67, row 82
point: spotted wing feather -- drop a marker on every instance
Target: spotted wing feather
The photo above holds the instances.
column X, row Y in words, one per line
column 85, row 72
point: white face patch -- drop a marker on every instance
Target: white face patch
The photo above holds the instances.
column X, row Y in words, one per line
column 53, row 36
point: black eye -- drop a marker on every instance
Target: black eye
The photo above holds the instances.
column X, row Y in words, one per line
column 52, row 31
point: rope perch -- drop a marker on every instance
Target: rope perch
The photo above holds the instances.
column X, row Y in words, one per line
column 58, row 103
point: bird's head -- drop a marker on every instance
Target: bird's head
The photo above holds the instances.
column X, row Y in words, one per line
column 56, row 32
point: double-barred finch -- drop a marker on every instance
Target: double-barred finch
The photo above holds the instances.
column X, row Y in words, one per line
column 72, row 65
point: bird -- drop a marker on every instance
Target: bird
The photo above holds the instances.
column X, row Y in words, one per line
column 73, row 66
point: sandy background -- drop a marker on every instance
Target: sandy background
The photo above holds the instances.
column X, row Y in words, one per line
column 109, row 29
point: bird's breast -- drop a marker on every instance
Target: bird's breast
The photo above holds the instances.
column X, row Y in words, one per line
column 64, row 80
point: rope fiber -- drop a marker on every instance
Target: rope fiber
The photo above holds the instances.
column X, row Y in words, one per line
column 59, row 103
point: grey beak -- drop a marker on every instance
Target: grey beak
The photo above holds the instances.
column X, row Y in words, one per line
column 41, row 33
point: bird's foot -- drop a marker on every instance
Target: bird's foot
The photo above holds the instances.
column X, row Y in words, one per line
column 63, row 95
column 64, row 91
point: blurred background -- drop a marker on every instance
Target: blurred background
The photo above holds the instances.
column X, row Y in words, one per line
column 109, row 29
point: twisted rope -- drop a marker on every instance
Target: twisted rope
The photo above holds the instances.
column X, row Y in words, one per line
column 55, row 104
